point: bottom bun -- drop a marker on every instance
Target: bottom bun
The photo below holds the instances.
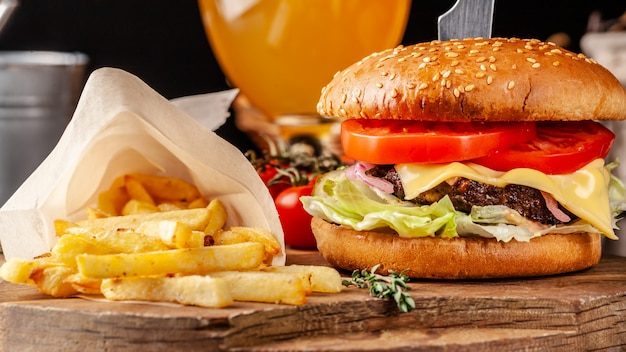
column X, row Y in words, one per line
column 456, row 258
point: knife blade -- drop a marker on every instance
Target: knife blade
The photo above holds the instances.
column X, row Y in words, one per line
column 467, row 18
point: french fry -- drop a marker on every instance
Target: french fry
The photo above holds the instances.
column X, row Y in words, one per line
column 203, row 291
column 83, row 284
column 198, row 203
column 110, row 242
column 95, row 213
column 69, row 246
column 197, row 219
column 135, row 206
column 18, row 270
column 174, row 234
column 112, row 200
column 322, row 278
column 169, row 206
column 240, row 234
column 60, row 226
column 259, row 286
column 137, row 191
column 167, row 188
column 51, row 281
column 202, row 260
column 217, row 217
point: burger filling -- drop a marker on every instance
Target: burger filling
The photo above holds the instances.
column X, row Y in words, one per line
column 465, row 193
column 469, row 200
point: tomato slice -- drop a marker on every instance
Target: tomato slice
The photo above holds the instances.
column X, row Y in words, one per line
column 560, row 148
column 394, row 142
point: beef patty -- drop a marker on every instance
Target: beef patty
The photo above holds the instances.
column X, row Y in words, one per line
column 465, row 193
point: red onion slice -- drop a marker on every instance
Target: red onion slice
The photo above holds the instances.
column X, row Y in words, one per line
column 357, row 171
column 553, row 206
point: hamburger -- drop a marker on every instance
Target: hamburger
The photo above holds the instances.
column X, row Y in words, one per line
column 473, row 158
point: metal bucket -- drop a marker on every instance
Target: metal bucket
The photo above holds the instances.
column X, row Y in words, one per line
column 39, row 91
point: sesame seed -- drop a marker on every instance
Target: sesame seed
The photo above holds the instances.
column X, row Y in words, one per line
column 492, row 67
column 556, row 51
column 481, row 59
column 483, row 67
column 448, row 83
column 401, row 59
column 384, row 73
column 492, row 58
column 535, row 65
column 411, row 85
column 459, row 71
column 452, row 54
column 556, row 63
column 394, row 93
column 514, row 67
column 363, row 114
column 446, row 73
column 355, row 100
column 393, row 75
column 342, row 112
column 474, row 51
column 454, row 63
column 422, row 86
column 519, row 51
column 480, row 75
column 469, row 87
column 456, row 92
column 496, row 49
column 379, row 85
column 489, row 79
column 530, row 59
column 421, row 66
column 426, row 59
column 510, row 85
column 461, row 89
column 343, row 98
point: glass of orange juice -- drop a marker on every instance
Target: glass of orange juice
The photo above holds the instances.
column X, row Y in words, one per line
column 280, row 53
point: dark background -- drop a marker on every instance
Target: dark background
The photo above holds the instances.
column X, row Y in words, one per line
column 163, row 41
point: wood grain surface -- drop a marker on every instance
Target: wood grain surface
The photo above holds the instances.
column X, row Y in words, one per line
column 574, row 312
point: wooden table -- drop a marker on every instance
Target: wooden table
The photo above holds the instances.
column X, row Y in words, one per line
column 575, row 312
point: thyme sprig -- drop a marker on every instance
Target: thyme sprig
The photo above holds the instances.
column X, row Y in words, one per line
column 392, row 286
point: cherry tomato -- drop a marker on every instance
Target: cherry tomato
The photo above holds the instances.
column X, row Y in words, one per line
column 559, row 148
column 393, row 141
column 295, row 220
column 267, row 174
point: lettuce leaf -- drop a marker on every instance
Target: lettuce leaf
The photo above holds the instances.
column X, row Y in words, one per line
column 363, row 208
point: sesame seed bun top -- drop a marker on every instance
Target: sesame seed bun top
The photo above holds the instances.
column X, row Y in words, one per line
column 496, row 79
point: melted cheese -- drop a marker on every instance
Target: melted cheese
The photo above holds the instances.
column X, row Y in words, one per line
column 584, row 192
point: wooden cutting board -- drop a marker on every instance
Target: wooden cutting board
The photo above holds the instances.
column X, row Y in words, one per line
column 574, row 312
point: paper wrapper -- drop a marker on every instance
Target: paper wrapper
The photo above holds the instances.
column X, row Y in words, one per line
column 122, row 126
